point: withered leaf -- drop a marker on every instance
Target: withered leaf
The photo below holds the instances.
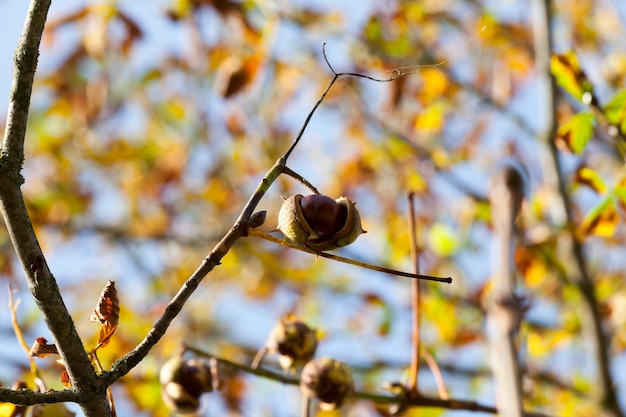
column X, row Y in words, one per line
column 108, row 307
column 107, row 312
column 65, row 379
column 41, row 348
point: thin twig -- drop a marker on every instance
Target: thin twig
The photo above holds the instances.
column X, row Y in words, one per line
column 256, row 361
column 18, row 333
column 415, row 300
column 283, row 242
column 394, row 76
column 434, row 368
column 301, row 179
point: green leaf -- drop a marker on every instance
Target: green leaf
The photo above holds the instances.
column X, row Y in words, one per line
column 615, row 110
column 577, row 132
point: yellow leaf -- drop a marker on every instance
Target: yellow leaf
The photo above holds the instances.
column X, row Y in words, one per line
column 7, row 409
column 570, row 76
column 544, row 343
column 601, row 221
column 435, row 84
column 432, row 118
column 591, row 178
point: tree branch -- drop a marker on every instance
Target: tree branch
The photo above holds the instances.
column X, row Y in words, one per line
column 27, row 397
column 419, row 401
column 25, row 60
column 239, row 229
column 590, row 314
column 506, row 308
column 40, row 280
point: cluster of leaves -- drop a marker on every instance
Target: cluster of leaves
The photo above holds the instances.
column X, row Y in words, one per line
column 142, row 148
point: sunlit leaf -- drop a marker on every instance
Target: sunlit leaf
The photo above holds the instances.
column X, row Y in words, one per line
column 65, row 379
column 543, row 343
column 431, row 118
column 577, row 132
column 569, row 75
column 442, row 239
column 7, row 410
column 533, row 268
column 237, row 73
column 602, row 220
column 615, row 110
column 591, row 178
column 435, row 84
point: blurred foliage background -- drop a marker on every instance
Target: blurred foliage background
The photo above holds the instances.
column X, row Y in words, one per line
column 152, row 123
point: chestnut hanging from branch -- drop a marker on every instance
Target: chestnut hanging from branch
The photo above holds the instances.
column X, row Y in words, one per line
column 319, row 222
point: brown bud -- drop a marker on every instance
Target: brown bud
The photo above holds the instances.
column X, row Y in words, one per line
column 319, row 222
column 182, row 383
column 294, row 341
column 327, row 380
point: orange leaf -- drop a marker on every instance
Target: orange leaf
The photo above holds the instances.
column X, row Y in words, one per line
column 65, row 379
column 238, row 73
column 105, row 333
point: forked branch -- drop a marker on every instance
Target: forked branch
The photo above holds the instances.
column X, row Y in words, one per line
column 241, row 227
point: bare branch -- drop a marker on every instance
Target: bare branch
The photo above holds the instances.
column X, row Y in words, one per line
column 421, row 401
column 505, row 310
column 241, row 227
column 27, row 397
column 415, row 300
column 40, row 280
column 580, row 276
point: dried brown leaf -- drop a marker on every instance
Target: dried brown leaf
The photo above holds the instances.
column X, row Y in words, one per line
column 107, row 312
column 41, row 348
column 65, row 379
column 108, row 307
